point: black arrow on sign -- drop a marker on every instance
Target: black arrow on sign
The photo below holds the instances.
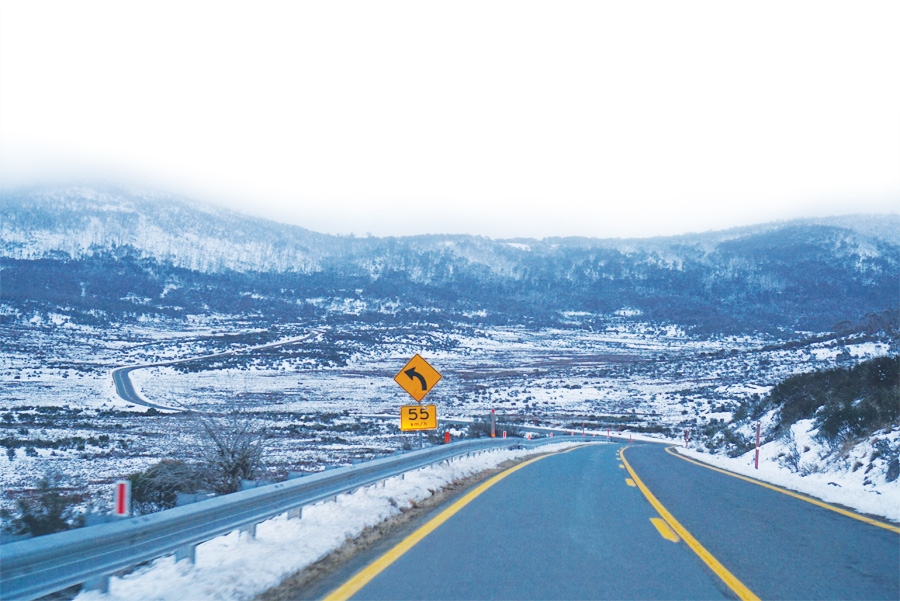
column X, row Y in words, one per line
column 412, row 373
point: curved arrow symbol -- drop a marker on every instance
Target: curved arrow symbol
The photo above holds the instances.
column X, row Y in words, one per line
column 412, row 373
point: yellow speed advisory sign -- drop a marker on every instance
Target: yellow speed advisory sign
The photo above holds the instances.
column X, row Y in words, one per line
column 417, row 378
column 418, row 417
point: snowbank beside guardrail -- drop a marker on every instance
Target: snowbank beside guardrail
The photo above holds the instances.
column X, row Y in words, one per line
column 237, row 566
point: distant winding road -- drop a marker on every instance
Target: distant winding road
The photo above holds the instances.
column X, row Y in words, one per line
column 125, row 388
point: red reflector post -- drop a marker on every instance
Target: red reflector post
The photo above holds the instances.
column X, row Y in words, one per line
column 122, row 502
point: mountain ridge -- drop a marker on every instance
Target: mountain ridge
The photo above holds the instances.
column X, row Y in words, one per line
column 83, row 206
column 796, row 274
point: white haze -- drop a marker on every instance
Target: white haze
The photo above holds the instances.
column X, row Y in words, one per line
column 487, row 117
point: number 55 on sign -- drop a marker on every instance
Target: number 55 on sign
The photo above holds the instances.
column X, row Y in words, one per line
column 418, row 417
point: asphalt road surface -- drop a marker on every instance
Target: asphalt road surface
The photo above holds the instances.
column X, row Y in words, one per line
column 586, row 524
column 125, row 389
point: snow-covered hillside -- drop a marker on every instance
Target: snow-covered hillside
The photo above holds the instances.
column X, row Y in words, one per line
column 96, row 243
column 82, row 221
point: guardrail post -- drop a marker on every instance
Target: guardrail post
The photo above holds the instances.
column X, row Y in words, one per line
column 297, row 512
column 188, row 552
column 249, row 529
column 99, row 584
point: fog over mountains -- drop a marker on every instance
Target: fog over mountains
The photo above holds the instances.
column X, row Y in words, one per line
column 104, row 251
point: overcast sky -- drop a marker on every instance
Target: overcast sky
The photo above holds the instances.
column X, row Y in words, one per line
column 504, row 119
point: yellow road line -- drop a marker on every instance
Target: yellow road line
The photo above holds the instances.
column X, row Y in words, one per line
column 727, row 577
column 364, row 576
column 666, row 532
column 791, row 493
column 629, row 481
column 621, row 466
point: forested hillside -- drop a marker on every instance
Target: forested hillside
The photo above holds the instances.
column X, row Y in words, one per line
column 90, row 252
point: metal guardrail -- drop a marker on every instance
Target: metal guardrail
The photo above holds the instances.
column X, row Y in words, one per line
column 40, row 566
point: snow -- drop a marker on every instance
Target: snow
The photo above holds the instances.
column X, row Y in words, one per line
column 627, row 373
column 802, row 463
column 519, row 245
column 237, row 567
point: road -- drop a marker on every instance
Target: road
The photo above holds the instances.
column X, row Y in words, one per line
column 580, row 525
column 125, row 388
column 605, row 433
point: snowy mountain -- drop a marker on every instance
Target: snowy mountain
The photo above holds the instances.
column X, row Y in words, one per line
column 80, row 222
column 157, row 251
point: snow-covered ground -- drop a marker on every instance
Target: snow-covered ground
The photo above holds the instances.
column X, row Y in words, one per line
column 237, row 567
column 855, row 477
column 313, row 397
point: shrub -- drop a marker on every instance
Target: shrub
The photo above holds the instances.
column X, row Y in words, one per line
column 481, row 428
column 45, row 512
column 852, row 401
column 157, row 488
column 735, row 444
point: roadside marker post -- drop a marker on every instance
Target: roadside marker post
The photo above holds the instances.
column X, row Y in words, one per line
column 504, row 434
column 757, row 445
column 493, row 426
column 446, row 437
column 122, row 499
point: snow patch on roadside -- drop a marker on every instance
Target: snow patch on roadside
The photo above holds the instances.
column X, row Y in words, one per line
column 855, row 477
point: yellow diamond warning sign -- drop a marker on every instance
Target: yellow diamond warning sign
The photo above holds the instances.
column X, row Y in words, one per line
column 417, row 378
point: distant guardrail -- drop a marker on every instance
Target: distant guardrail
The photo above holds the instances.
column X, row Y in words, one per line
column 40, row 566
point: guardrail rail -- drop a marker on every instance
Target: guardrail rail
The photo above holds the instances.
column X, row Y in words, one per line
column 89, row 556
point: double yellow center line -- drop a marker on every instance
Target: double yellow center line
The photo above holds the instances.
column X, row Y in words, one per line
column 727, row 577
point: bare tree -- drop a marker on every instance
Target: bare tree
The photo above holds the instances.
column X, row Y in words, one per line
column 232, row 450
